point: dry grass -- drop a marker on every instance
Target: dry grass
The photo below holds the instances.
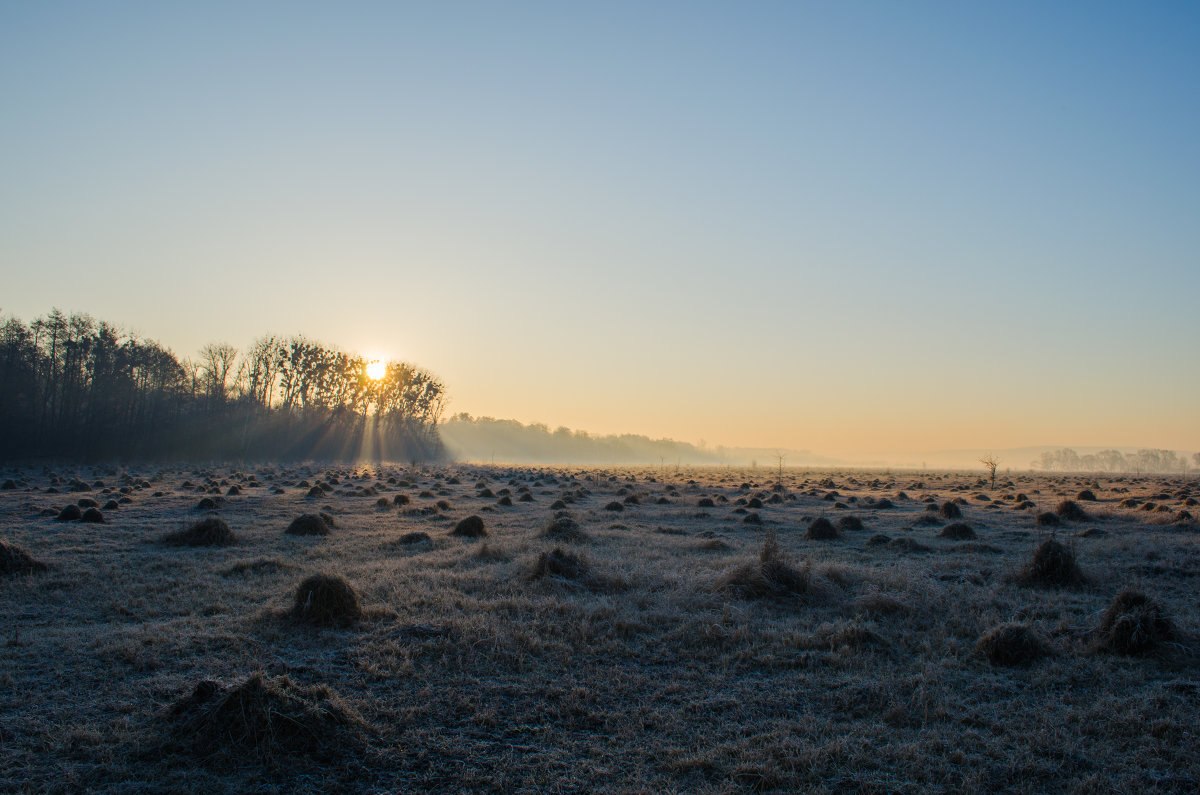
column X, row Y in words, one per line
column 326, row 600
column 683, row 651
column 1011, row 645
column 1134, row 624
column 210, row 532
column 14, row 560
column 308, row 524
column 266, row 718
column 1052, row 565
column 773, row 574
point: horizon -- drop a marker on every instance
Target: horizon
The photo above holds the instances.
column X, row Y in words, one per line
column 861, row 231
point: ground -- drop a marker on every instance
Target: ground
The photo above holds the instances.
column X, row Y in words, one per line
column 631, row 655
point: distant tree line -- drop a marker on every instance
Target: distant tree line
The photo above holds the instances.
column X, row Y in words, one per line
column 1148, row 462
column 512, row 442
column 74, row 387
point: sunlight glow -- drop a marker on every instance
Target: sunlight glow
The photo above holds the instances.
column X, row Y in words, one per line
column 376, row 370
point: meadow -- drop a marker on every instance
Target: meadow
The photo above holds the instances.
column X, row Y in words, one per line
column 601, row 630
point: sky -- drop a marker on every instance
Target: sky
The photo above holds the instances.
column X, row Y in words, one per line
column 858, row 228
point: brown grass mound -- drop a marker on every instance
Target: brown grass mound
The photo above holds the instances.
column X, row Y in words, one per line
column 14, row 560
column 615, row 506
column 564, row 528
column 415, row 538
column 1070, row 510
column 958, row 531
column 772, row 575
column 1011, row 645
column 1047, row 519
column 1052, row 564
column 326, row 600
column 560, row 563
column 92, row 516
column 949, row 510
column 849, row 524
column 210, row 532
column 1133, row 624
column 1087, row 495
column 266, row 718
column 471, row 527
column 69, row 514
column 821, row 529
column 308, row 524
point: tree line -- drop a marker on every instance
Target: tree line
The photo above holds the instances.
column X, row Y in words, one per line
column 1146, row 462
column 78, row 388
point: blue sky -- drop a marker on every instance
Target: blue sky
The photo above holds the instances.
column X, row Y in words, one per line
column 851, row 227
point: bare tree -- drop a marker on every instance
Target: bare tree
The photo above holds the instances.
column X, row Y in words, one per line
column 990, row 462
column 217, row 360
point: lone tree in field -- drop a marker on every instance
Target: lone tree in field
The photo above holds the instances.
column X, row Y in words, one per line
column 990, row 462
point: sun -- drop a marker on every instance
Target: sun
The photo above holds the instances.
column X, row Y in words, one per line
column 376, row 370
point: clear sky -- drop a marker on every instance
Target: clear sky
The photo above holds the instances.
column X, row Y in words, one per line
column 851, row 227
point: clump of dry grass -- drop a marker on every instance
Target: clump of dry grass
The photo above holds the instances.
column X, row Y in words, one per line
column 1047, row 519
column 14, row 560
column 849, row 524
column 1011, row 645
column 326, row 600
column 471, row 527
column 210, row 532
column 1087, row 495
column 950, row 510
column 560, row 563
column 821, row 529
column 1133, row 624
column 1070, row 510
column 416, row 537
column 71, row 513
column 308, row 524
column 564, row 528
column 92, row 516
column 958, row 531
column 266, row 717
column 774, row 574
column 1052, row 564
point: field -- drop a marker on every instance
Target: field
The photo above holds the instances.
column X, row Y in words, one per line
column 661, row 641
